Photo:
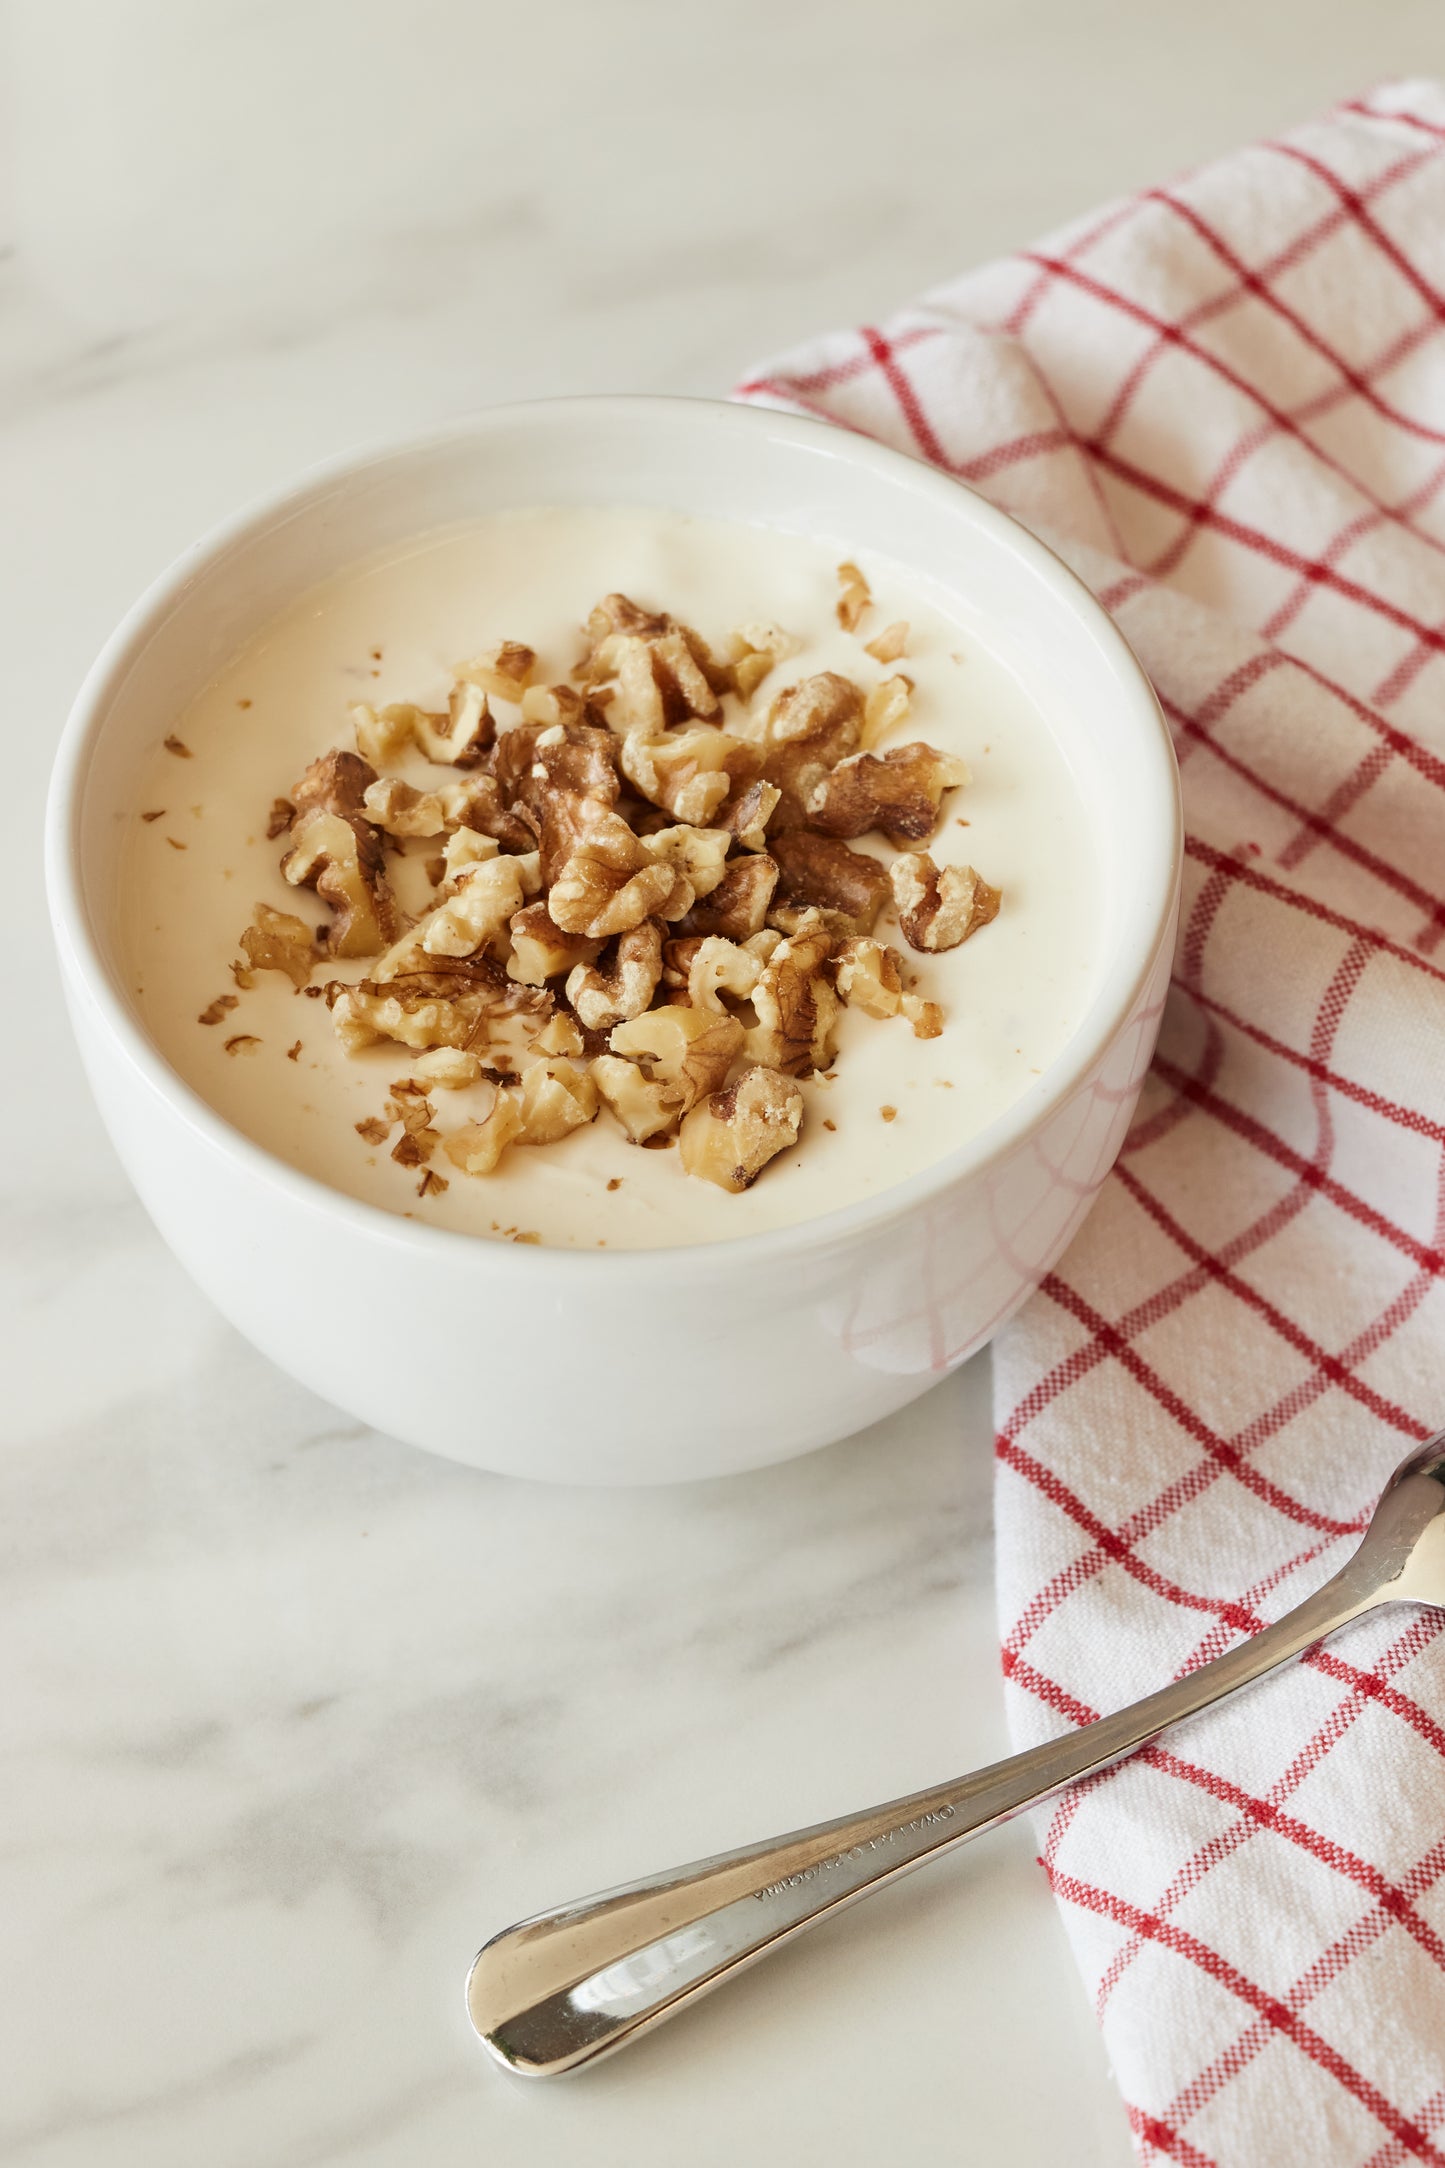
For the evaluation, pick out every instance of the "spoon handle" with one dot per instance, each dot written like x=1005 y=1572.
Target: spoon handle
x=568 y=1986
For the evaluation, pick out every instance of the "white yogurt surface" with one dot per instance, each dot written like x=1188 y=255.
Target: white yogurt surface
x=393 y=629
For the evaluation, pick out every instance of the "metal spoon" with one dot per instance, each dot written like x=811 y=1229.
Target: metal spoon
x=566 y=1987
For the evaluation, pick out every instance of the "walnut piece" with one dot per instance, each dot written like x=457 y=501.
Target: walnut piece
x=609 y=883
x=891 y=643
x=885 y=708
x=687 y=1051
x=645 y=1108
x=477 y=914
x=556 y=1097
x=867 y=976
x=898 y=793
x=336 y=782
x=940 y=907
x=820 y=873
x=542 y=951
x=855 y=597
x=277 y=941
x=809 y=728
x=754 y=651
x=730 y=1137
x=687 y=772
x=456 y=739
x=341 y=859
x=797 y=1010
x=738 y=906
x=504 y=671
x=448 y=1068
x=478 y=1146
x=746 y=811
x=623 y=990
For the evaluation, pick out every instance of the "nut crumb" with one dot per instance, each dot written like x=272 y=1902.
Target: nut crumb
x=527 y=1236
x=373 y=1130
x=243 y=1041
x=889 y=1114
x=293 y=1053
x=243 y=703
x=175 y=843
x=431 y=1183
x=856 y=596
x=828 y=1123
x=221 y=1006
x=890 y=644
x=158 y=815
x=178 y=746
x=615 y=1182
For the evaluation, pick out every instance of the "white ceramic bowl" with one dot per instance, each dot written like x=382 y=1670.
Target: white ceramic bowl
x=637 y=1366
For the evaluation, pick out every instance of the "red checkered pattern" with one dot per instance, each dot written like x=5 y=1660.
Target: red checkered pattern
x=1225 y=402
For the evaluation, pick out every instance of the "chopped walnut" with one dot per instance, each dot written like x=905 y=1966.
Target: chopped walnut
x=559 y=1035
x=746 y=811
x=868 y=977
x=855 y=598
x=537 y=758
x=658 y=670
x=938 y=907
x=609 y=884
x=624 y=989
x=456 y=739
x=381 y=736
x=885 y=708
x=797 y=1009
x=478 y=912
x=683 y=869
x=716 y=967
x=477 y=1146
x=698 y=857
x=753 y=651
x=820 y=873
x=687 y=1051
x=557 y=1097
x=278 y=941
x=730 y=1137
x=891 y=643
x=645 y=1108
x=809 y=728
x=448 y=1068
x=221 y=1007
x=336 y=782
x=459 y=738
x=738 y=906
x=898 y=793
x=687 y=772
x=341 y=860
x=542 y=951
x=504 y=671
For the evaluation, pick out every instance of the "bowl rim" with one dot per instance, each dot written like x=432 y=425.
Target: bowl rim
x=1124 y=981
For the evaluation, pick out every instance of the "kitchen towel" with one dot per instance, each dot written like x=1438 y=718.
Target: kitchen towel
x=1224 y=401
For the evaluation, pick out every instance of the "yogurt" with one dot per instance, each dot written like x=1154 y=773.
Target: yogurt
x=198 y=860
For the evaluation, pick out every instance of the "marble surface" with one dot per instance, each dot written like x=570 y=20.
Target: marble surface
x=294 y=1717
